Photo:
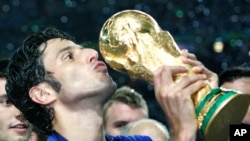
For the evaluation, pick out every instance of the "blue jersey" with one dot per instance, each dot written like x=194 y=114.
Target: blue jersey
x=57 y=137
x=128 y=138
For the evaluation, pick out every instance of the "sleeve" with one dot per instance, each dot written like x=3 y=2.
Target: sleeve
x=132 y=138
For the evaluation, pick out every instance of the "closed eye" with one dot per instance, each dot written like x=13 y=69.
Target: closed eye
x=120 y=124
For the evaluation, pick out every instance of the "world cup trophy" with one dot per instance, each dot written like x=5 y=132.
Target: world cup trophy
x=132 y=42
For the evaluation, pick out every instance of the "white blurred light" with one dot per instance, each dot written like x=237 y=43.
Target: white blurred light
x=218 y=46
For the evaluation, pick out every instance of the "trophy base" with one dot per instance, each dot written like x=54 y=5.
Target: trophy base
x=229 y=108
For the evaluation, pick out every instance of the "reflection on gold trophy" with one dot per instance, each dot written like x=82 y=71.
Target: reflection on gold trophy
x=132 y=42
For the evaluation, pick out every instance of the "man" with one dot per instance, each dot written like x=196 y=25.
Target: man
x=237 y=78
x=125 y=106
x=13 y=126
x=61 y=88
x=150 y=127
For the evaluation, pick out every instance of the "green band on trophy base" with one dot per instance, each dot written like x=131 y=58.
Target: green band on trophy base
x=215 y=106
x=206 y=99
x=217 y=111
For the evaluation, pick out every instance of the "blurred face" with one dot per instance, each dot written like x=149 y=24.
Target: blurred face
x=13 y=127
x=119 y=115
x=78 y=70
x=242 y=85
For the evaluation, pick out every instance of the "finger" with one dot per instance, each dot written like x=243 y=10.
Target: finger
x=203 y=70
x=194 y=87
x=169 y=72
x=198 y=69
x=191 y=62
x=186 y=82
x=185 y=53
x=164 y=77
x=157 y=80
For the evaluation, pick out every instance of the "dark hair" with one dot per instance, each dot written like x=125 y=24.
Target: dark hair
x=26 y=70
x=3 y=67
x=234 y=73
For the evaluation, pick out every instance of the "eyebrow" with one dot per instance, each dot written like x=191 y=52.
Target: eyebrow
x=64 y=49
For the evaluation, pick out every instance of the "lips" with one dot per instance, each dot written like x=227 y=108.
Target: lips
x=20 y=126
x=100 y=66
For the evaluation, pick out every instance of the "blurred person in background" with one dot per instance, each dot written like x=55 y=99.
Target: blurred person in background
x=237 y=78
x=13 y=126
x=125 y=106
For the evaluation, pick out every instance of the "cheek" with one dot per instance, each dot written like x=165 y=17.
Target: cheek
x=72 y=77
x=79 y=75
x=3 y=122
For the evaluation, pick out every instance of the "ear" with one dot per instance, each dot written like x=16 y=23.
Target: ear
x=42 y=93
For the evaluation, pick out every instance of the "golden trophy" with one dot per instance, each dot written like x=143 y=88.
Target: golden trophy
x=131 y=41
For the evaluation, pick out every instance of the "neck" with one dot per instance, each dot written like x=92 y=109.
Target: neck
x=79 y=124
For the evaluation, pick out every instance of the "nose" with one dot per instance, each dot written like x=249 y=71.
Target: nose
x=17 y=113
x=92 y=55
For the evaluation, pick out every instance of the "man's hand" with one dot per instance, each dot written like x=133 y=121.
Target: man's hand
x=199 y=68
x=175 y=98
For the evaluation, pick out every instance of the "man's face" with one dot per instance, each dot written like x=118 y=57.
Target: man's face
x=13 y=127
x=241 y=85
x=77 y=69
x=119 y=115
